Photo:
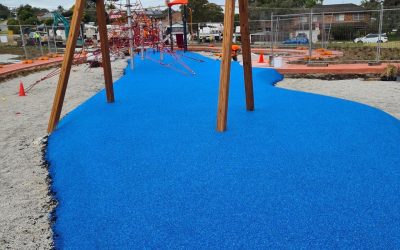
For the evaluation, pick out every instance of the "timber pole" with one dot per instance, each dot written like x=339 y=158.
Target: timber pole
x=105 y=51
x=225 y=65
x=66 y=65
x=246 y=53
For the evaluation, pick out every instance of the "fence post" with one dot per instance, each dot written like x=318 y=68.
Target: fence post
x=23 y=42
x=48 y=40
x=130 y=33
x=40 y=40
x=310 y=36
x=272 y=39
x=170 y=26
x=55 y=40
x=323 y=31
x=378 y=52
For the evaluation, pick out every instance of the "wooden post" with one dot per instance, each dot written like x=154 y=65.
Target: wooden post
x=246 y=53
x=105 y=51
x=66 y=65
x=225 y=65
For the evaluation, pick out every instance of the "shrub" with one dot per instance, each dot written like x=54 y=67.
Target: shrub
x=390 y=73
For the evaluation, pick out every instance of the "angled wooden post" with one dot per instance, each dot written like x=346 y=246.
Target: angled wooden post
x=246 y=53
x=105 y=51
x=66 y=65
x=225 y=65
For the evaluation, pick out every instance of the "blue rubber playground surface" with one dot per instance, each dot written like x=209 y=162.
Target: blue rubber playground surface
x=150 y=171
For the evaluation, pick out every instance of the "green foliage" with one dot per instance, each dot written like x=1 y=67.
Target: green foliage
x=285 y=3
x=370 y=4
x=89 y=14
x=391 y=18
x=14 y=29
x=4 y=12
x=203 y=11
x=344 y=32
x=27 y=14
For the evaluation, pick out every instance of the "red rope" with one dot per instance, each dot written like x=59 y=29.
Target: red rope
x=53 y=73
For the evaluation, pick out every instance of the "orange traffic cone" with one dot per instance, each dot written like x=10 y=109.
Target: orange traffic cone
x=261 y=58
x=21 y=89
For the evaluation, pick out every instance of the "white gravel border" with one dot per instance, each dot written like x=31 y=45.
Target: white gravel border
x=25 y=201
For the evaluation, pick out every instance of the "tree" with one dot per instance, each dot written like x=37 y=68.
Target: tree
x=203 y=11
x=370 y=4
x=286 y=3
x=89 y=14
x=4 y=12
x=391 y=19
x=60 y=9
x=27 y=14
x=13 y=25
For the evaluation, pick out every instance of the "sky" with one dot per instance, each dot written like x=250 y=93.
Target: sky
x=51 y=4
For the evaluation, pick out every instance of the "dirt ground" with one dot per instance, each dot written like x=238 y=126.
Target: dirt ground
x=25 y=200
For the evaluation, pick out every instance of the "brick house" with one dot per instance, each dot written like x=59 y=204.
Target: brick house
x=351 y=17
x=351 y=20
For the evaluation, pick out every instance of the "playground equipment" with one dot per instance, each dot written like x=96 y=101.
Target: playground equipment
x=147 y=32
x=184 y=20
x=226 y=60
x=69 y=54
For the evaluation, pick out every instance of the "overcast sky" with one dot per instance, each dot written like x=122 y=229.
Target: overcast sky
x=51 y=4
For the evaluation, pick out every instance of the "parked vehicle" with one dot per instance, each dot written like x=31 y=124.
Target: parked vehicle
x=210 y=32
x=300 y=39
x=372 y=38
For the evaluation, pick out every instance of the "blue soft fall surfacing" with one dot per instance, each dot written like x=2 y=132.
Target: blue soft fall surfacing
x=150 y=171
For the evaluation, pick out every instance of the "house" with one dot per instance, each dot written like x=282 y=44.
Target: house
x=342 y=13
x=176 y=18
x=352 y=17
x=325 y=18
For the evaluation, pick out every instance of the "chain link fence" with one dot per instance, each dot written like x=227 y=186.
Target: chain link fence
x=20 y=42
x=325 y=34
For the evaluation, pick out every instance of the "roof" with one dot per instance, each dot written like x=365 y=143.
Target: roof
x=337 y=8
x=154 y=13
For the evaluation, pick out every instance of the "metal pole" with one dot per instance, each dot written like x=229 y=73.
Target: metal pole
x=184 y=20
x=48 y=40
x=40 y=40
x=323 y=31
x=277 y=31
x=130 y=33
x=23 y=41
x=378 y=52
x=310 y=38
x=160 y=34
x=142 y=41
x=272 y=39
x=54 y=39
x=170 y=28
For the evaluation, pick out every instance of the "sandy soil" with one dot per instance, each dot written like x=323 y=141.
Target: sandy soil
x=8 y=58
x=380 y=94
x=25 y=201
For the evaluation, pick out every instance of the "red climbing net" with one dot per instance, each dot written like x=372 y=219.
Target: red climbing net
x=147 y=33
x=145 y=28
